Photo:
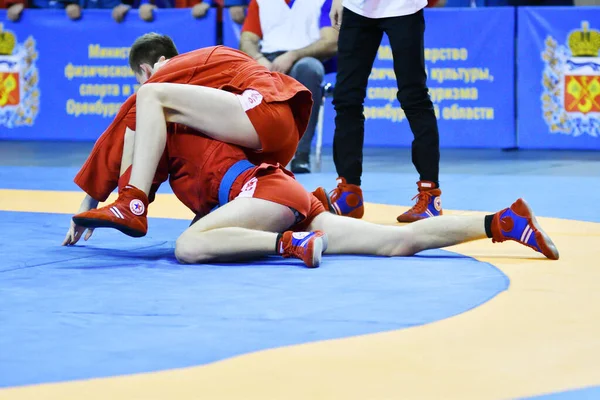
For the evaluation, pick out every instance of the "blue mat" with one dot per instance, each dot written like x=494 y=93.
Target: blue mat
x=592 y=393
x=117 y=305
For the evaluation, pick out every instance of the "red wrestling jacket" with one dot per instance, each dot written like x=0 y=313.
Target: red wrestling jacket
x=186 y=157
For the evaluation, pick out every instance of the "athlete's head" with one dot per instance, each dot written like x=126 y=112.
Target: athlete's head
x=146 y=51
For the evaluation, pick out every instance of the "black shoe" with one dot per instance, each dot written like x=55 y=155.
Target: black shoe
x=300 y=166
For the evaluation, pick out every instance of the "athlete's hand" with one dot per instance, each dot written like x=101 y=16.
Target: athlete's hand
x=335 y=15
x=75 y=231
x=147 y=12
x=73 y=11
x=14 y=12
x=119 y=12
x=284 y=62
x=200 y=10
x=74 y=234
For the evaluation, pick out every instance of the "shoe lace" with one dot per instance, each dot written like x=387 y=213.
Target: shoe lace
x=423 y=200
x=293 y=251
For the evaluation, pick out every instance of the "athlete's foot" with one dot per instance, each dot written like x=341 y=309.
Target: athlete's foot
x=127 y=214
x=324 y=198
x=347 y=199
x=307 y=246
x=429 y=203
x=518 y=223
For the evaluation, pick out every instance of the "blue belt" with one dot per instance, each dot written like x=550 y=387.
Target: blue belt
x=230 y=176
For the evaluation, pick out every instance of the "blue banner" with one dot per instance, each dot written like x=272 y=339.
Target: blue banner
x=559 y=77
x=231 y=31
x=65 y=80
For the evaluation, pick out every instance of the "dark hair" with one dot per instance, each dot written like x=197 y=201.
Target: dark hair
x=147 y=49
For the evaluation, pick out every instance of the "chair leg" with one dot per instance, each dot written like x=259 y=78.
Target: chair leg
x=319 y=143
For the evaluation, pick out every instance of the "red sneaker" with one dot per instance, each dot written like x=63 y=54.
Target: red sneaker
x=518 y=223
x=324 y=198
x=429 y=203
x=347 y=199
x=307 y=246
x=127 y=214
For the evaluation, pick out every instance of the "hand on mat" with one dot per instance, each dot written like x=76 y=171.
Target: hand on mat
x=75 y=231
x=74 y=234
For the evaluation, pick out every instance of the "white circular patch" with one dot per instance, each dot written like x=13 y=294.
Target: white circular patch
x=437 y=203
x=137 y=207
x=300 y=235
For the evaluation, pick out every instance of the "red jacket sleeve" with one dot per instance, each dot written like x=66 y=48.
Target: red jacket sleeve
x=252 y=21
x=99 y=175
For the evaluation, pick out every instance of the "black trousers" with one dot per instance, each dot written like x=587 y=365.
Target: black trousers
x=358 y=43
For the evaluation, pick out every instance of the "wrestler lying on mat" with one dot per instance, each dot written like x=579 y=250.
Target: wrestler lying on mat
x=262 y=210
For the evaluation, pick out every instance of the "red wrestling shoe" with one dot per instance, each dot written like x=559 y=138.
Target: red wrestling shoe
x=324 y=198
x=429 y=203
x=127 y=214
x=347 y=199
x=307 y=246
x=517 y=223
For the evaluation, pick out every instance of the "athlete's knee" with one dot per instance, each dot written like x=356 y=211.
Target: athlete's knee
x=190 y=251
x=404 y=243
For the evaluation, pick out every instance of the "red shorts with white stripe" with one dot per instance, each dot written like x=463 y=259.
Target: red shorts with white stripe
x=275 y=125
x=273 y=183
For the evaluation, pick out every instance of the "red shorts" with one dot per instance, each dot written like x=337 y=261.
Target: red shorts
x=272 y=183
x=275 y=125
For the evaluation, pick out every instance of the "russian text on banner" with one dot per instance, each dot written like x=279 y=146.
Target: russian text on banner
x=470 y=78
x=65 y=80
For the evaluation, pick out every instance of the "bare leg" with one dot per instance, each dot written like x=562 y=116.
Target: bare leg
x=353 y=236
x=127 y=157
x=214 y=112
x=242 y=229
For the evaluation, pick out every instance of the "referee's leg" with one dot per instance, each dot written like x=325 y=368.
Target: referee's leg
x=358 y=42
x=406 y=36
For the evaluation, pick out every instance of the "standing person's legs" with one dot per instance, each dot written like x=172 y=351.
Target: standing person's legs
x=358 y=43
x=406 y=35
x=309 y=72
